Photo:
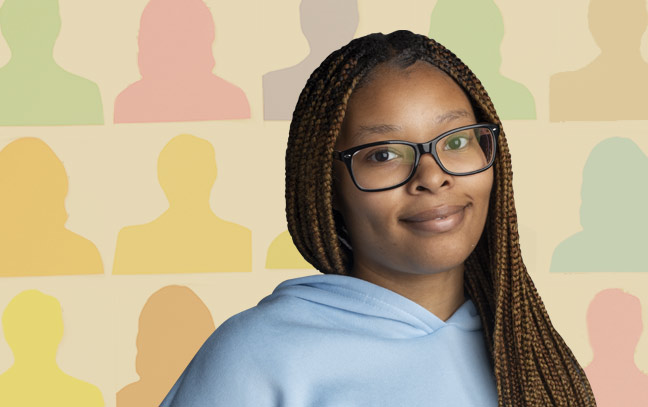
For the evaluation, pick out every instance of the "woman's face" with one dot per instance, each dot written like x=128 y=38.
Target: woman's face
x=401 y=230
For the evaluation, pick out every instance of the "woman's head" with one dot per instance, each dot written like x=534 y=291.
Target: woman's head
x=317 y=128
x=434 y=221
x=319 y=201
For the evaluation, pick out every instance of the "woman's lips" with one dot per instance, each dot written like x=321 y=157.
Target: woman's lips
x=438 y=220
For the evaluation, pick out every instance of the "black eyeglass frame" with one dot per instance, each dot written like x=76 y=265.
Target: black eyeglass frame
x=346 y=156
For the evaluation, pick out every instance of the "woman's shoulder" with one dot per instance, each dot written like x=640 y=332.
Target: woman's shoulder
x=296 y=311
x=269 y=322
x=237 y=356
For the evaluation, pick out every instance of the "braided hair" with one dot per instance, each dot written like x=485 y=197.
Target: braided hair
x=532 y=364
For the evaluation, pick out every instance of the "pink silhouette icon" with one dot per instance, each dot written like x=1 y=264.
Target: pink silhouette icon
x=614 y=322
x=176 y=62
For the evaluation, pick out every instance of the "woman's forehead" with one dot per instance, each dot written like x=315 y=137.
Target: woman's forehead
x=420 y=96
x=392 y=67
x=387 y=77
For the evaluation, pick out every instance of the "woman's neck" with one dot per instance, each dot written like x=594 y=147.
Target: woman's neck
x=440 y=293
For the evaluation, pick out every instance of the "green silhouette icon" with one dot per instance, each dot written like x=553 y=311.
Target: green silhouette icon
x=35 y=89
x=473 y=30
x=613 y=214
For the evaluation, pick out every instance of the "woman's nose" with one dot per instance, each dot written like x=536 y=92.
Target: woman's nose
x=429 y=176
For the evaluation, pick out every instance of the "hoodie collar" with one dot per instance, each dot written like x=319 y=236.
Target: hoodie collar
x=355 y=295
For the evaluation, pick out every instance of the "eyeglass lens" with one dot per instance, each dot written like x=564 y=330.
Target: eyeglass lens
x=386 y=165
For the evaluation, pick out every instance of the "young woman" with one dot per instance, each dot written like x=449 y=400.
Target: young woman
x=399 y=190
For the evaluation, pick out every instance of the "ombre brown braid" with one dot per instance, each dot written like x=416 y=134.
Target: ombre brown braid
x=532 y=364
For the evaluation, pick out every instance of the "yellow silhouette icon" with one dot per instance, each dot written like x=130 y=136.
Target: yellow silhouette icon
x=173 y=325
x=33 y=237
x=188 y=237
x=282 y=254
x=33 y=327
x=614 y=85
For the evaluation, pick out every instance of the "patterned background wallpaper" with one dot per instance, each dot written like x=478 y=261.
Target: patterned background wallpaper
x=141 y=173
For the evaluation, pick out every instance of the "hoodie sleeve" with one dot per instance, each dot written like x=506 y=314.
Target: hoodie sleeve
x=224 y=372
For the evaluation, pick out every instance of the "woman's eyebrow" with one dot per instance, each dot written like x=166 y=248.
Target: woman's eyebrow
x=364 y=131
x=452 y=115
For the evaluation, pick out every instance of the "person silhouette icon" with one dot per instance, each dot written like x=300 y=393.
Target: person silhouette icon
x=612 y=213
x=176 y=62
x=614 y=325
x=33 y=238
x=35 y=89
x=33 y=327
x=172 y=325
x=614 y=85
x=188 y=237
x=327 y=26
x=459 y=24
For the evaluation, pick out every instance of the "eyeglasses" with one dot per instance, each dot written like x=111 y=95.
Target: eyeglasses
x=389 y=164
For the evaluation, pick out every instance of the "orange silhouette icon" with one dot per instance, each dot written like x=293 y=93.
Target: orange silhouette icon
x=33 y=327
x=173 y=325
x=188 y=237
x=176 y=62
x=614 y=322
x=615 y=84
x=33 y=237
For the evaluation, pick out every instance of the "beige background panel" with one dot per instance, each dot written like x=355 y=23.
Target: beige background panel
x=279 y=38
x=386 y=16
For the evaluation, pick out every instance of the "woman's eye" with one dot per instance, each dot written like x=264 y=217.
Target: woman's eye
x=457 y=142
x=382 y=155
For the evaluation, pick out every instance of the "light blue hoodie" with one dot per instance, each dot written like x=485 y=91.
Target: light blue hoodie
x=331 y=340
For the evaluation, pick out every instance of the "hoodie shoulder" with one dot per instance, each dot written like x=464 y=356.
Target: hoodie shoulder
x=235 y=358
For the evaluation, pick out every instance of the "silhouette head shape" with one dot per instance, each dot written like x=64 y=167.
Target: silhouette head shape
x=460 y=26
x=618 y=25
x=616 y=168
x=172 y=325
x=614 y=322
x=175 y=39
x=34 y=184
x=33 y=326
x=187 y=169
x=328 y=24
x=30 y=26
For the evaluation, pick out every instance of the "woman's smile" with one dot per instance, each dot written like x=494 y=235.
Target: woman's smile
x=440 y=219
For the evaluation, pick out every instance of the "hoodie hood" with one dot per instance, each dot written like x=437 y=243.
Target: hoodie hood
x=371 y=307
